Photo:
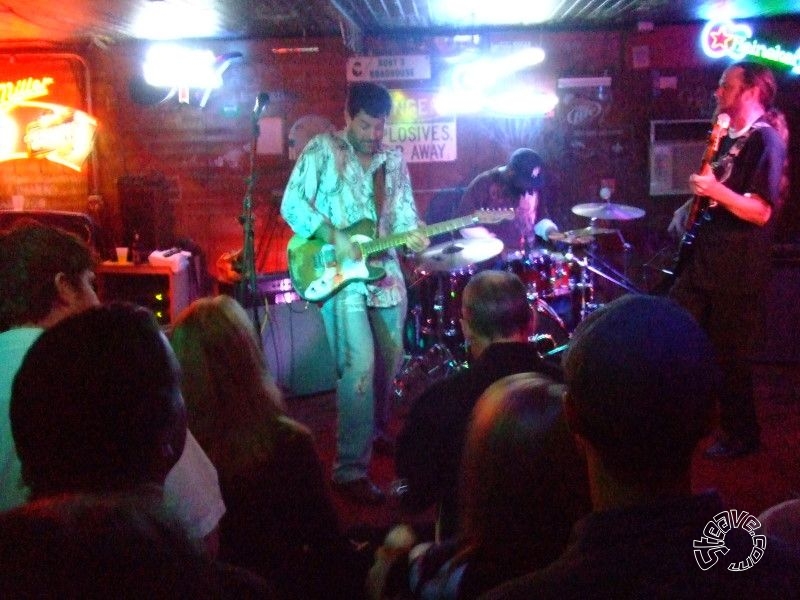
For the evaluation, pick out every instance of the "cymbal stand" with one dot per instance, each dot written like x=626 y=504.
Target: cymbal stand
x=615 y=277
x=582 y=290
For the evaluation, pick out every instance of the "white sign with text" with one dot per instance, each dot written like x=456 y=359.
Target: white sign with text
x=389 y=68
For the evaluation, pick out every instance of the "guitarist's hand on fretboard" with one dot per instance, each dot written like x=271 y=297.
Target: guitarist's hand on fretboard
x=417 y=241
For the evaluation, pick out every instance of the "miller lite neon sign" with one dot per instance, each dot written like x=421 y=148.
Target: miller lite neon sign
x=735 y=40
x=33 y=129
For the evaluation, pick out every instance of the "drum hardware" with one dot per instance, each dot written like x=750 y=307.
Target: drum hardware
x=555 y=352
x=602 y=269
x=608 y=211
x=544 y=343
x=419 y=373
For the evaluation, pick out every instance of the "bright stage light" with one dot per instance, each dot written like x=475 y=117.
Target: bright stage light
x=171 y=20
x=173 y=66
x=522 y=101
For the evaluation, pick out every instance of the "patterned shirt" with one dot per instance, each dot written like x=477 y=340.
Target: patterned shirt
x=329 y=185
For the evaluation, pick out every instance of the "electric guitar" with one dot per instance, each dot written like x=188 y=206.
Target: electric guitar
x=316 y=275
x=699 y=209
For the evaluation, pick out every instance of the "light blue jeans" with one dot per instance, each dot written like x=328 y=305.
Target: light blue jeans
x=367 y=346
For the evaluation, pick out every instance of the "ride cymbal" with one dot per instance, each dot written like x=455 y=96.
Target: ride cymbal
x=607 y=211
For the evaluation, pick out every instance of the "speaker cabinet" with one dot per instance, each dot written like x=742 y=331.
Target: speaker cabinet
x=147 y=207
x=676 y=148
x=297 y=349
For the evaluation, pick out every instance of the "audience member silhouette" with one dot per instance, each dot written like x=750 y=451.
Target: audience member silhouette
x=46 y=275
x=280 y=520
x=109 y=546
x=96 y=405
x=523 y=486
x=497 y=321
x=782 y=522
x=640 y=376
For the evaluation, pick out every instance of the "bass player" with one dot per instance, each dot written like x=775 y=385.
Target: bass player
x=725 y=275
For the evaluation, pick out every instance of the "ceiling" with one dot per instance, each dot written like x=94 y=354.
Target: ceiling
x=107 y=21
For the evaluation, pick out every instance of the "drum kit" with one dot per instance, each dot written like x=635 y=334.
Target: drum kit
x=433 y=332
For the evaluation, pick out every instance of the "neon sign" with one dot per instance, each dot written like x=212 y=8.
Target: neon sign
x=735 y=40
x=24 y=89
x=53 y=132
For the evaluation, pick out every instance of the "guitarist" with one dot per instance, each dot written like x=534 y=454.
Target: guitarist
x=724 y=277
x=339 y=179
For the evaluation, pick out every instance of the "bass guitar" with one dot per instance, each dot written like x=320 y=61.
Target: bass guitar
x=316 y=275
x=699 y=209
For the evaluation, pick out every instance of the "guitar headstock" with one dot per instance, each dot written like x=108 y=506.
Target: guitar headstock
x=492 y=215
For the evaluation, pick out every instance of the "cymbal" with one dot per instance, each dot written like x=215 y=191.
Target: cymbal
x=608 y=211
x=458 y=254
x=579 y=237
x=568 y=237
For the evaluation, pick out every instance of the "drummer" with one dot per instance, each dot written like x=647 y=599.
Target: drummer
x=515 y=185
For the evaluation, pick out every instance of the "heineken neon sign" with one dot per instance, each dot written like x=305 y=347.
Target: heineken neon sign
x=735 y=40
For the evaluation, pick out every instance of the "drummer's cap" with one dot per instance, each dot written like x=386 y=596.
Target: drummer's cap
x=526 y=166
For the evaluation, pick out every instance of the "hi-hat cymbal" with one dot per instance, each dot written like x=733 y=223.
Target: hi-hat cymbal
x=569 y=237
x=608 y=211
x=459 y=254
x=579 y=237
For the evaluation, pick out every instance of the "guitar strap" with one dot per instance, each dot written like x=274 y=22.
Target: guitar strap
x=737 y=146
x=379 y=188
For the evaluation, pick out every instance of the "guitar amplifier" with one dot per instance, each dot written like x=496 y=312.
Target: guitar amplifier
x=296 y=348
x=276 y=288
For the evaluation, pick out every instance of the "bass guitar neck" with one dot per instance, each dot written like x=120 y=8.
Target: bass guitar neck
x=699 y=208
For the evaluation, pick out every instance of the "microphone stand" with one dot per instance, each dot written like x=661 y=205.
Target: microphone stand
x=247 y=286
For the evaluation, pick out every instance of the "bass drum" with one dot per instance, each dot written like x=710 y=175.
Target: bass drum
x=434 y=310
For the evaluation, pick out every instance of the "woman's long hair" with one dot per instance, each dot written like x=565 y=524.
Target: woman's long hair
x=232 y=400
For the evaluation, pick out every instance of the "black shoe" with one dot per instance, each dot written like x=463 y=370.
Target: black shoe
x=383 y=445
x=732 y=448
x=360 y=491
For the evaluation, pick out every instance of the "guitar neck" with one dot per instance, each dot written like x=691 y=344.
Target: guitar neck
x=699 y=204
x=398 y=239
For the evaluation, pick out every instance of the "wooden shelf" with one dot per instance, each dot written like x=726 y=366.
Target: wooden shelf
x=155 y=287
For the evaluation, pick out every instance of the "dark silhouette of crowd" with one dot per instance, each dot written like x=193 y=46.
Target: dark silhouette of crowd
x=552 y=483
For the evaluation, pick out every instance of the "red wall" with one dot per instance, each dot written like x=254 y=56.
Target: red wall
x=204 y=152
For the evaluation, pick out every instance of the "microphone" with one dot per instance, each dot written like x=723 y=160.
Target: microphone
x=262 y=101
